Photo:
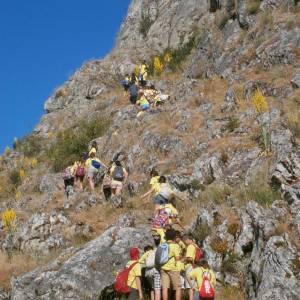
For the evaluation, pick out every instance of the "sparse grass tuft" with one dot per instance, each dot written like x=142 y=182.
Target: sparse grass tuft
x=218 y=245
x=30 y=146
x=232 y=124
x=228 y=264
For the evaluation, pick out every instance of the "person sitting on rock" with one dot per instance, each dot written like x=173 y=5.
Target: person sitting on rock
x=199 y=274
x=119 y=177
x=93 y=166
x=143 y=103
x=134 y=276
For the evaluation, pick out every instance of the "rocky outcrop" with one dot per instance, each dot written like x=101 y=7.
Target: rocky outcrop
x=85 y=272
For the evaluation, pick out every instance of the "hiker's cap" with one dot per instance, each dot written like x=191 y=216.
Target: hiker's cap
x=134 y=253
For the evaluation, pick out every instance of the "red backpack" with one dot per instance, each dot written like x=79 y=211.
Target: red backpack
x=121 y=285
x=206 y=290
x=198 y=254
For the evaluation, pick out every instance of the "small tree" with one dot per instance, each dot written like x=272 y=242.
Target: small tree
x=261 y=107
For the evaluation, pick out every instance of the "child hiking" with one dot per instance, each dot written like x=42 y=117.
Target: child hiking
x=93 y=166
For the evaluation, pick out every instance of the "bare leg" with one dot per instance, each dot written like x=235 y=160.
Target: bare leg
x=178 y=294
x=191 y=294
x=157 y=294
x=92 y=184
x=165 y=293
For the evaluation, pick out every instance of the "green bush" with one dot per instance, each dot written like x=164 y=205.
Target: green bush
x=253 y=7
x=196 y=185
x=201 y=231
x=15 y=178
x=30 y=146
x=71 y=143
x=145 y=24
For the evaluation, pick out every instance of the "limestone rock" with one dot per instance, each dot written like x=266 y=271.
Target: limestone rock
x=88 y=271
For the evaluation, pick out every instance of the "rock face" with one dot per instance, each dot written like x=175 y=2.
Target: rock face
x=83 y=273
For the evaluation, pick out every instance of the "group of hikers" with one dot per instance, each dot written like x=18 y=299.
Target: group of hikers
x=113 y=176
x=141 y=93
x=174 y=265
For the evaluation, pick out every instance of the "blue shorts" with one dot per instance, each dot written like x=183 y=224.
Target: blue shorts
x=145 y=106
x=159 y=199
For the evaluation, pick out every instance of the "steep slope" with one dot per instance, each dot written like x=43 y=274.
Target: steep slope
x=242 y=189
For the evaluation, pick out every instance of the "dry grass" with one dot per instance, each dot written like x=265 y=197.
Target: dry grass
x=253 y=6
x=19 y=264
x=229 y=293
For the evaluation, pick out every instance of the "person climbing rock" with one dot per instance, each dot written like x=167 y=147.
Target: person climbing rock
x=170 y=272
x=134 y=276
x=133 y=90
x=143 y=73
x=154 y=186
x=205 y=281
x=69 y=177
x=119 y=177
x=126 y=83
x=79 y=170
x=93 y=166
x=94 y=148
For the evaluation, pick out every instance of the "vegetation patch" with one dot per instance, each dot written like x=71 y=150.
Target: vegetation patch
x=229 y=263
x=253 y=7
x=71 y=143
x=30 y=145
x=145 y=24
x=201 y=231
x=232 y=124
x=219 y=246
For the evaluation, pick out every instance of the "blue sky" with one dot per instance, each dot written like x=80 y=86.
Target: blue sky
x=42 y=43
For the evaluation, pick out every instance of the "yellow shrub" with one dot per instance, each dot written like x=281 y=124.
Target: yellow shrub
x=34 y=163
x=22 y=174
x=18 y=195
x=158 y=66
x=9 y=220
x=259 y=102
x=136 y=71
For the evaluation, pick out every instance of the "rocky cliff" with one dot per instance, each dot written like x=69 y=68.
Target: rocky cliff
x=243 y=192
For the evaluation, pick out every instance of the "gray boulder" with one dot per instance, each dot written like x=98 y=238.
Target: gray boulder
x=84 y=273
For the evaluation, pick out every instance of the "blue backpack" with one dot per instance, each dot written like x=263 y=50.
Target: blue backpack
x=96 y=164
x=161 y=255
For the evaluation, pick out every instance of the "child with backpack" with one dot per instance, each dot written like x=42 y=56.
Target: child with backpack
x=79 y=167
x=119 y=177
x=167 y=257
x=128 y=281
x=93 y=166
x=205 y=280
x=143 y=103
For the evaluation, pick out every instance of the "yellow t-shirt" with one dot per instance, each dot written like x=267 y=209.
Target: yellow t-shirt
x=180 y=264
x=144 y=257
x=172 y=265
x=155 y=184
x=190 y=253
x=134 y=272
x=197 y=275
x=170 y=209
